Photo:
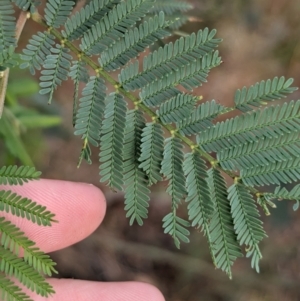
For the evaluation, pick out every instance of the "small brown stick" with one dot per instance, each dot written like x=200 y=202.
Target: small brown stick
x=4 y=74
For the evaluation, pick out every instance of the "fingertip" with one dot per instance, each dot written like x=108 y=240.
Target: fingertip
x=79 y=209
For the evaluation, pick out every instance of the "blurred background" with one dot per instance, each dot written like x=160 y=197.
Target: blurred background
x=261 y=39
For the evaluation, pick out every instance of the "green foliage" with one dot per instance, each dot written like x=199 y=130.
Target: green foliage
x=221 y=234
x=140 y=146
x=112 y=141
x=36 y=51
x=7 y=25
x=262 y=92
x=27 y=5
x=137 y=192
x=21 y=123
x=32 y=268
x=152 y=145
x=14 y=175
x=247 y=225
x=56 y=70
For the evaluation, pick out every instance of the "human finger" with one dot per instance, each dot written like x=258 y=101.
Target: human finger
x=79 y=209
x=80 y=290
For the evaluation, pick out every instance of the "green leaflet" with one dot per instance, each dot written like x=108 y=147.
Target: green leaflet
x=24 y=207
x=189 y=77
x=56 y=70
x=200 y=119
x=89 y=15
x=112 y=141
x=263 y=92
x=177 y=108
x=13 y=239
x=57 y=12
x=200 y=207
x=114 y=25
x=282 y=193
x=8 y=59
x=36 y=51
x=136 y=191
x=78 y=73
x=273 y=173
x=152 y=152
x=269 y=122
x=247 y=224
x=171 y=57
x=222 y=238
x=90 y=112
x=7 y=25
x=262 y=152
x=176 y=227
x=134 y=42
x=14 y=267
x=10 y=291
x=27 y=5
x=172 y=169
x=171 y=7
x=13 y=175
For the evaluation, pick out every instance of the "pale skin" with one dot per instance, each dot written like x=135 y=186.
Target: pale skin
x=79 y=208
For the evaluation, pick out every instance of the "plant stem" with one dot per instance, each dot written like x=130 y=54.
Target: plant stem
x=5 y=74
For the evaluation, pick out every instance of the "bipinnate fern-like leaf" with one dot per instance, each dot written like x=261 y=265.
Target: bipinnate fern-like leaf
x=114 y=25
x=247 y=223
x=36 y=51
x=152 y=146
x=224 y=246
x=112 y=141
x=86 y=17
x=134 y=42
x=263 y=92
x=57 y=12
x=135 y=179
x=171 y=57
x=268 y=122
x=56 y=70
x=14 y=175
x=258 y=147
x=7 y=25
x=24 y=207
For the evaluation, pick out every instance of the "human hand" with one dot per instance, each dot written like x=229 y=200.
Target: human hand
x=80 y=209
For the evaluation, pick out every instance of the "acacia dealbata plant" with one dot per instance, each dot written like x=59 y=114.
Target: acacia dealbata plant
x=141 y=128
